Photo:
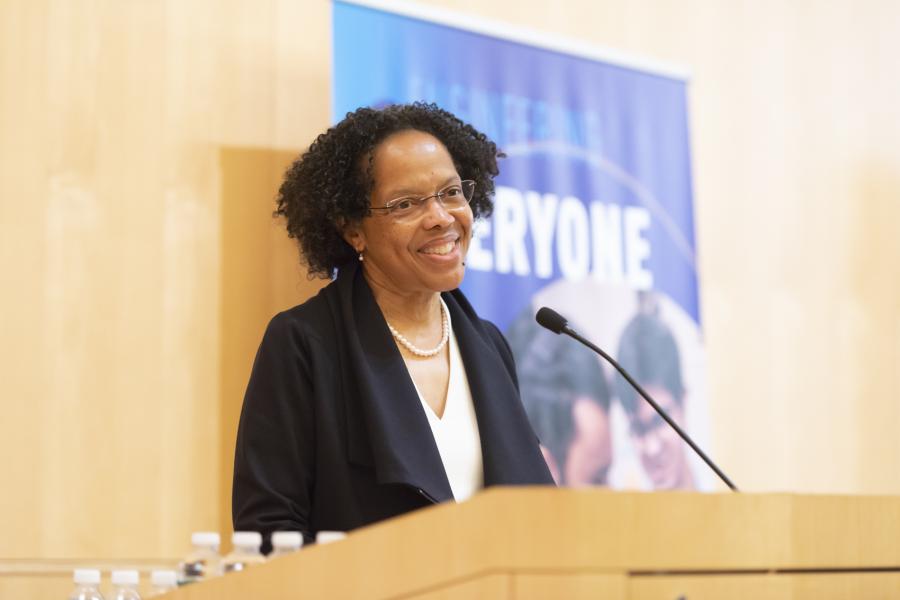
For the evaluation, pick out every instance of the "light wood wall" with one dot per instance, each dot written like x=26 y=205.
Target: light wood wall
x=140 y=148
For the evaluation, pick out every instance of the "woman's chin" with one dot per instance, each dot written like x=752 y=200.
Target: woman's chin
x=449 y=281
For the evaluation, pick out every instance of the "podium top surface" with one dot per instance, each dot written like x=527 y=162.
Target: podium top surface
x=591 y=530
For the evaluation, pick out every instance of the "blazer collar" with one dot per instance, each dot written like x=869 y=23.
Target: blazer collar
x=387 y=427
x=510 y=449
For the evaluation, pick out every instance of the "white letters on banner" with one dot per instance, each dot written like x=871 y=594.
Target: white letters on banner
x=604 y=241
x=542 y=218
x=572 y=239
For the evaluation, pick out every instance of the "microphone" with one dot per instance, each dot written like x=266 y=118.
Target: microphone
x=555 y=322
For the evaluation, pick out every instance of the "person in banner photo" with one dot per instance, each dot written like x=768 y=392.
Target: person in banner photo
x=386 y=392
x=648 y=351
x=567 y=399
x=594 y=428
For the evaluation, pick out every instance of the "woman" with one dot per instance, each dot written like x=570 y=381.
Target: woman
x=385 y=392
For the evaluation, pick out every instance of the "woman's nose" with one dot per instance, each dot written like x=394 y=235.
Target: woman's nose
x=436 y=214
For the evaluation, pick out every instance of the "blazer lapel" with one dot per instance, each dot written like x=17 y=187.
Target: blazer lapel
x=509 y=447
x=388 y=428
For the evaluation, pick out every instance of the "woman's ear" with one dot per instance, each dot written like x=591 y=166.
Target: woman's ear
x=353 y=235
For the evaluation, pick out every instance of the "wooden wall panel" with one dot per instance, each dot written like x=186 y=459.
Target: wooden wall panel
x=114 y=118
x=261 y=276
x=572 y=586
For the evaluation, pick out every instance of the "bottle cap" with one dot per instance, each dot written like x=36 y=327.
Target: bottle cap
x=287 y=540
x=87 y=576
x=125 y=577
x=246 y=539
x=326 y=537
x=163 y=578
x=205 y=538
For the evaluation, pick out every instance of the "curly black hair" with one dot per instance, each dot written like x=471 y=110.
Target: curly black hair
x=327 y=187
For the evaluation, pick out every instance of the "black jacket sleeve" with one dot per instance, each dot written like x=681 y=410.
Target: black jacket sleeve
x=274 y=462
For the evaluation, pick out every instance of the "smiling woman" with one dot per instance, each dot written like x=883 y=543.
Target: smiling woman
x=386 y=392
x=415 y=246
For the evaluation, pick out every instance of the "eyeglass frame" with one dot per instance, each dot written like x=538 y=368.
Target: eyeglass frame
x=391 y=206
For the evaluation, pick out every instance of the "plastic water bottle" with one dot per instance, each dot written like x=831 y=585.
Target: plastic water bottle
x=86 y=582
x=203 y=561
x=285 y=542
x=125 y=585
x=246 y=551
x=163 y=582
x=328 y=537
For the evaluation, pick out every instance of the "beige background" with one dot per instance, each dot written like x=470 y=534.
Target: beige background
x=141 y=143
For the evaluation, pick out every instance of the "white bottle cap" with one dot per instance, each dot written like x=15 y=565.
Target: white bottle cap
x=247 y=539
x=87 y=576
x=125 y=577
x=326 y=537
x=205 y=538
x=163 y=578
x=287 y=540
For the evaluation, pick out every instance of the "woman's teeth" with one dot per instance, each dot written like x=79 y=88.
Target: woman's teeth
x=443 y=249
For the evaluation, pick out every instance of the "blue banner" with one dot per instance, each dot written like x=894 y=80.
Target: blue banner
x=593 y=215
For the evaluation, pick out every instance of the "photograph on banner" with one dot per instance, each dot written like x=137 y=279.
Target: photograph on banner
x=593 y=216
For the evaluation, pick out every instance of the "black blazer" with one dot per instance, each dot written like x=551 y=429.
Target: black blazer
x=332 y=434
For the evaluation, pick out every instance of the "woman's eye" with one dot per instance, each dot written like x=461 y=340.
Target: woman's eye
x=454 y=191
x=404 y=204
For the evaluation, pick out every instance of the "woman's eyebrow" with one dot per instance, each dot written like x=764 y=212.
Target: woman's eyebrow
x=403 y=192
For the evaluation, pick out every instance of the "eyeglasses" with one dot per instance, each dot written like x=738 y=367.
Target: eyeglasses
x=453 y=197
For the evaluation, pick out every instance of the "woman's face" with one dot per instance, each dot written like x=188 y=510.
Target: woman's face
x=422 y=252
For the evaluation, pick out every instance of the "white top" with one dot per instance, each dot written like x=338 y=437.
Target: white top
x=327 y=537
x=205 y=538
x=456 y=432
x=163 y=579
x=126 y=577
x=287 y=540
x=87 y=576
x=247 y=539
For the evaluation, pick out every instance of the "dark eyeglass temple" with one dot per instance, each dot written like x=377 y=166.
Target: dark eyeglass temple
x=468 y=187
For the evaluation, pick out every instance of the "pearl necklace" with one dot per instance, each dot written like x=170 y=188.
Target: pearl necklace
x=445 y=336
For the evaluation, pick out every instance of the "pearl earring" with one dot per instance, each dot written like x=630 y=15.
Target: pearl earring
x=360 y=257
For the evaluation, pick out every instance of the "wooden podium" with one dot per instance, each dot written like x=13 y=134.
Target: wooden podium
x=530 y=543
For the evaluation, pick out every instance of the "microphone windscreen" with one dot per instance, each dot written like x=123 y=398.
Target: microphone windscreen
x=552 y=320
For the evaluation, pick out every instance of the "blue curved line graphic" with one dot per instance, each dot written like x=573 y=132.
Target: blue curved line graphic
x=641 y=192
